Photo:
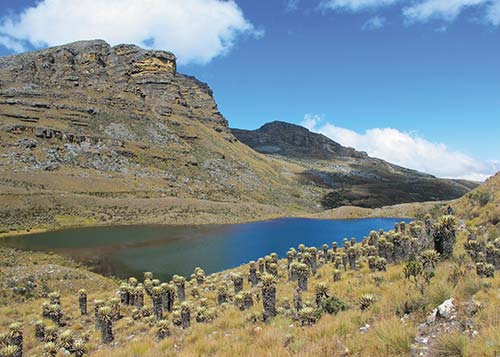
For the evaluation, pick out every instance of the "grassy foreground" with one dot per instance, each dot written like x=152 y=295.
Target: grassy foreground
x=368 y=313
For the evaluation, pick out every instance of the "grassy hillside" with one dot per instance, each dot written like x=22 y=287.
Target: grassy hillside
x=405 y=210
x=93 y=134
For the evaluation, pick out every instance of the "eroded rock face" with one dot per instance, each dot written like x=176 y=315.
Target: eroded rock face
x=127 y=78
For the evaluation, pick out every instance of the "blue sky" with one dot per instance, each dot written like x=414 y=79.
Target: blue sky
x=414 y=82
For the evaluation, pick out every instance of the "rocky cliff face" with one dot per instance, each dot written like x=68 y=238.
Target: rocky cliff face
x=76 y=82
x=92 y=95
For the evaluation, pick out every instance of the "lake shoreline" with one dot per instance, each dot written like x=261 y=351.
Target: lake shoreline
x=176 y=224
x=403 y=211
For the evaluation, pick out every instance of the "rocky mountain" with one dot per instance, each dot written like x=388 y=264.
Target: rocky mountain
x=76 y=83
x=92 y=134
x=353 y=177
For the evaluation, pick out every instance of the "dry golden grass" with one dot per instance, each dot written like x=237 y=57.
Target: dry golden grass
x=404 y=210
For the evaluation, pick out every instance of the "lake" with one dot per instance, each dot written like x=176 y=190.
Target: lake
x=124 y=251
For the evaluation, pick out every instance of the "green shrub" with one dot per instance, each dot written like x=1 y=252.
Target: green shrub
x=482 y=197
x=333 y=305
x=492 y=233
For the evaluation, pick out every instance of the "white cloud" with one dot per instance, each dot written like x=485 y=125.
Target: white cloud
x=493 y=14
x=195 y=30
x=446 y=10
x=422 y=10
x=375 y=23
x=354 y=5
x=407 y=150
x=11 y=44
x=292 y=5
x=311 y=121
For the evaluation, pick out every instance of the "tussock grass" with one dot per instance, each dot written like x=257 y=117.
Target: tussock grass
x=453 y=344
x=391 y=336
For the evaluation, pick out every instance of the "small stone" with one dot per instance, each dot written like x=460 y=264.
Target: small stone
x=422 y=339
x=364 y=329
x=446 y=309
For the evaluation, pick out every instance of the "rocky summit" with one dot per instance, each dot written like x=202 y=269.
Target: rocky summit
x=294 y=141
x=94 y=134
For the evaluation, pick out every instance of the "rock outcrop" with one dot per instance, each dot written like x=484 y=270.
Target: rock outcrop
x=294 y=141
x=75 y=82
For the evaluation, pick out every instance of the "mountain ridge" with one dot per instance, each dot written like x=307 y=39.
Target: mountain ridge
x=333 y=165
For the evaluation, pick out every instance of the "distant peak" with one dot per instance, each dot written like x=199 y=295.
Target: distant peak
x=292 y=140
x=280 y=127
x=282 y=124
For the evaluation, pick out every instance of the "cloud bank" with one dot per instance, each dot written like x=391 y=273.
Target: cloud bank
x=423 y=10
x=374 y=23
x=195 y=30
x=354 y=5
x=446 y=10
x=407 y=150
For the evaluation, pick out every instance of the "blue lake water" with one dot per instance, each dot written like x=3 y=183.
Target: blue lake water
x=125 y=251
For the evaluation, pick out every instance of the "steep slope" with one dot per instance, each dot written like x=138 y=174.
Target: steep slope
x=92 y=133
x=353 y=177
